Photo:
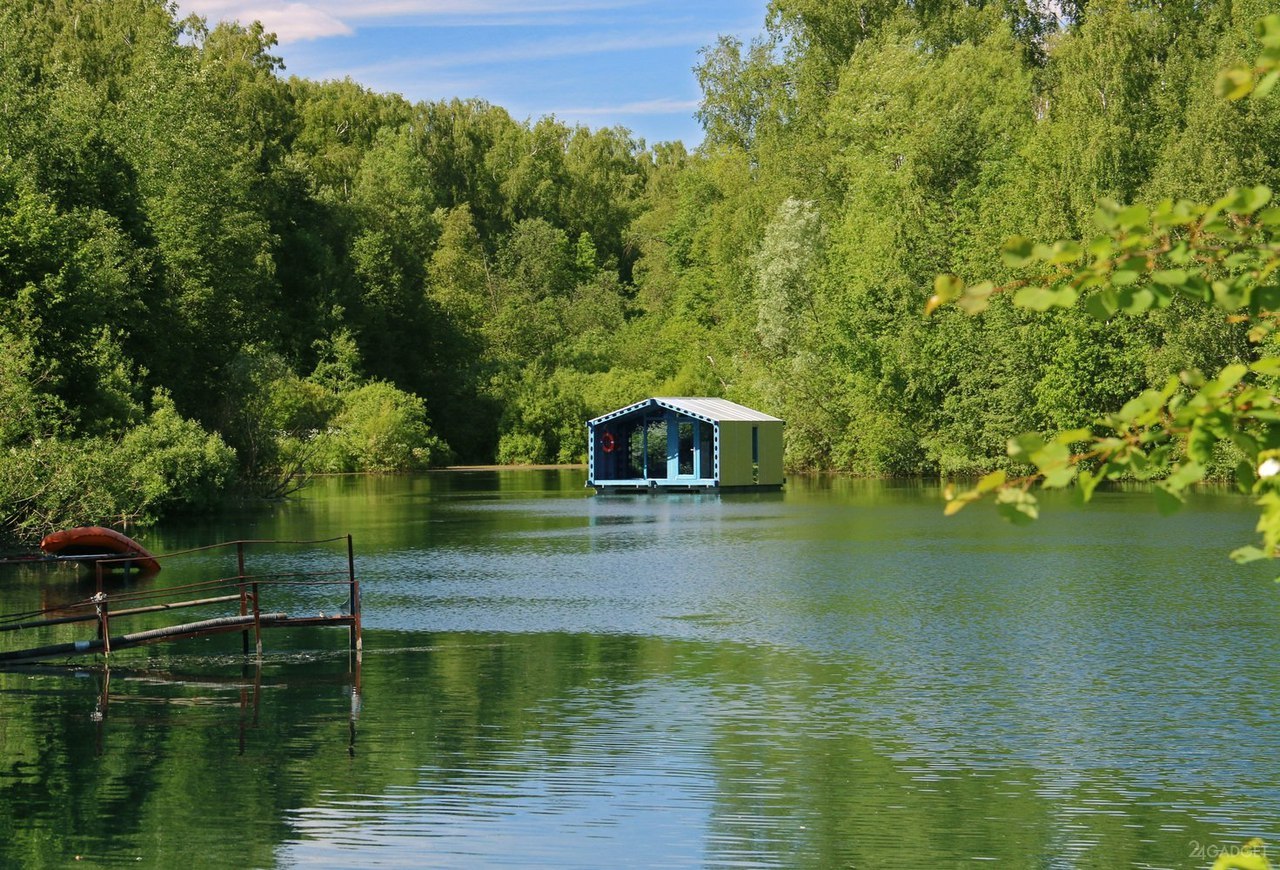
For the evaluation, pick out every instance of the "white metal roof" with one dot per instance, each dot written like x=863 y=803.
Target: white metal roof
x=711 y=410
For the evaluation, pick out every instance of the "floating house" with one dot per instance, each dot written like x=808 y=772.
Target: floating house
x=684 y=445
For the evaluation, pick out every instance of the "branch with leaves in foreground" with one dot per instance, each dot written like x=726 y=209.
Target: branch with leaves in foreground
x=1224 y=254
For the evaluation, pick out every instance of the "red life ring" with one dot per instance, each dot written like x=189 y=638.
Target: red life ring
x=607 y=442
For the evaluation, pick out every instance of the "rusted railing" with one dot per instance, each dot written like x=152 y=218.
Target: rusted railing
x=243 y=589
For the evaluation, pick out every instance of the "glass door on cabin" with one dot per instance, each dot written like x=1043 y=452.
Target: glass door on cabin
x=692 y=451
x=706 y=450
x=685 y=431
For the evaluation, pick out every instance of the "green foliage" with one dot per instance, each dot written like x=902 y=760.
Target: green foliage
x=166 y=464
x=173 y=214
x=53 y=483
x=1251 y=856
x=377 y=428
x=785 y=265
x=27 y=410
x=170 y=463
x=1258 y=79
x=743 y=90
x=305 y=267
x=1223 y=254
x=545 y=418
x=271 y=420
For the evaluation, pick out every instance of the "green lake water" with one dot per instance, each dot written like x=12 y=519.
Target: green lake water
x=833 y=676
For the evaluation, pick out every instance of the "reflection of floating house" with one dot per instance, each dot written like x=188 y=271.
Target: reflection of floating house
x=684 y=444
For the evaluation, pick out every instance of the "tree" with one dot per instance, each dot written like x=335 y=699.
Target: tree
x=1224 y=254
x=379 y=428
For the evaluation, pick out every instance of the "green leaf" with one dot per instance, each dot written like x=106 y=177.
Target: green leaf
x=1200 y=443
x=1017 y=252
x=1268 y=30
x=1141 y=467
x=1123 y=276
x=1088 y=481
x=1105 y=214
x=1102 y=305
x=1017 y=506
x=1022 y=446
x=1167 y=502
x=1141 y=409
x=1065 y=252
x=1073 y=436
x=1181 y=254
x=1268 y=365
x=1059 y=477
x=1266 y=84
x=1170 y=277
x=991 y=481
x=1269 y=521
x=1225 y=381
x=1136 y=301
x=1044 y=298
x=1231 y=295
x=948 y=286
x=1246 y=200
x=976 y=298
x=1247 y=443
x=1163 y=295
x=1134 y=217
x=1246 y=477
x=1234 y=82
x=1197 y=288
x=946 y=289
x=1265 y=298
x=957 y=503
x=1184 y=475
x=1245 y=555
x=1052 y=455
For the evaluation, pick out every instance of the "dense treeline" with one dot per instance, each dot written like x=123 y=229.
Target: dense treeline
x=911 y=144
x=211 y=273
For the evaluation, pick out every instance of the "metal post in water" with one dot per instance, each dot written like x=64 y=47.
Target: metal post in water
x=357 y=703
x=244 y=603
x=97 y=572
x=104 y=622
x=257 y=622
x=354 y=632
x=99 y=715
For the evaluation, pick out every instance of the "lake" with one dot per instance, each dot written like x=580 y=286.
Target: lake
x=832 y=676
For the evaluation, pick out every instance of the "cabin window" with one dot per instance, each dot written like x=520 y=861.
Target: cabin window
x=684 y=449
x=755 y=454
x=706 y=450
x=633 y=454
x=655 y=449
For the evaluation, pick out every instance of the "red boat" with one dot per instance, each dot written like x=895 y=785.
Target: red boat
x=89 y=541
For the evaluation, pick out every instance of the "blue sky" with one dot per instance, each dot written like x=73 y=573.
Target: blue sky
x=594 y=62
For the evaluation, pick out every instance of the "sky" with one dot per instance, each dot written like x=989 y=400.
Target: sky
x=595 y=62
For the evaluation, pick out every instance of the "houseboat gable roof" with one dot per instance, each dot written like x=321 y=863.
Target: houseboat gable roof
x=708 y=409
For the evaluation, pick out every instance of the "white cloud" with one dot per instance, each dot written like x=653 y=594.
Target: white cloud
x=463 y=8
x=290 y=22
x=547 y=49
x=314 y=19
x=663 y=106
x=297 y=21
